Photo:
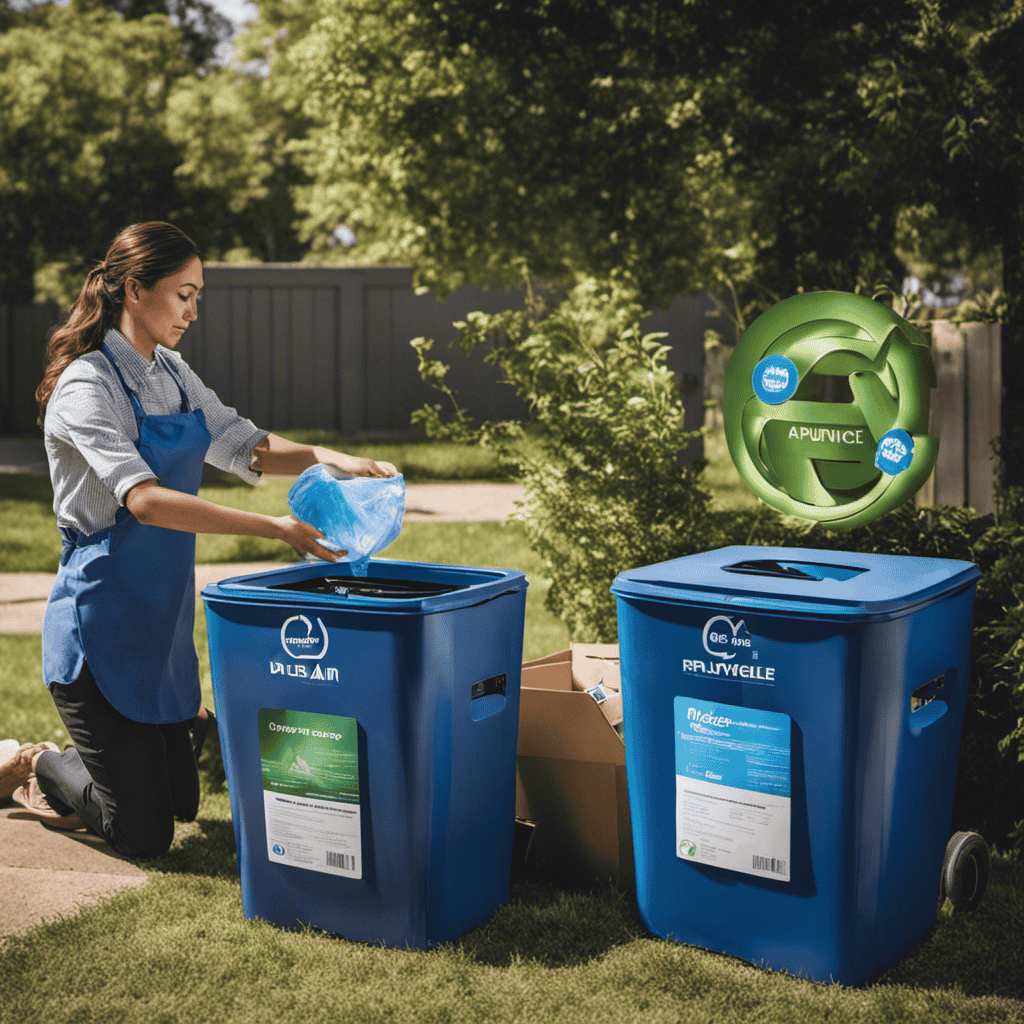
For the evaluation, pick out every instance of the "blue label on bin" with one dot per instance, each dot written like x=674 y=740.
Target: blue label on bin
x=732 y=787
x=775 y=379
x=895 y=452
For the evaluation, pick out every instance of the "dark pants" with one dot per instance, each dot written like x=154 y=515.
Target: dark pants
x=126 y=780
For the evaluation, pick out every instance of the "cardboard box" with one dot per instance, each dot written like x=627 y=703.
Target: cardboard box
x=571 y=778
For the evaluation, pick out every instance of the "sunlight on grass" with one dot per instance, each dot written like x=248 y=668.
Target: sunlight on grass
x=180 y=950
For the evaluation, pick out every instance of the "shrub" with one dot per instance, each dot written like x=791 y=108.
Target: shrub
x=606 y=485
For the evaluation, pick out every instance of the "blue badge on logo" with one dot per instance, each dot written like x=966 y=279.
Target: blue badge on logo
x=895 y=452
x=775 y=379
x=279 y=849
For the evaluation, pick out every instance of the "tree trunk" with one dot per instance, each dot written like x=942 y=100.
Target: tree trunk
x=1012 y=403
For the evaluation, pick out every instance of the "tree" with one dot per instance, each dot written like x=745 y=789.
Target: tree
x=104 y=122
x=202 y=28
x=235 y=169
x=952 y=97
x=684 y=144
x=771 y=147
x=82 y=144
x=568 y=139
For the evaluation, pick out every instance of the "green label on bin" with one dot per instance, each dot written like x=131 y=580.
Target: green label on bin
x=310 y=768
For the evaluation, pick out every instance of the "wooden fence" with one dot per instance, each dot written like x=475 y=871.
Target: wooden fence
x=297 y=346
x=964 y=414
x=23 y=333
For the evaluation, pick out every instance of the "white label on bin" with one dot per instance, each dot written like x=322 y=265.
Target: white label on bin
x=310 y=767
x=733 y=787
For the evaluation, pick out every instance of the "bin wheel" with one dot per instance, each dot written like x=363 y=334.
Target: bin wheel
x=965 y=871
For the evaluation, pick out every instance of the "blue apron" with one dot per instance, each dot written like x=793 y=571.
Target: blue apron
x=124 y=597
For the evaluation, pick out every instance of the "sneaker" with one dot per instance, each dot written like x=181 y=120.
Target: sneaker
x=17 y=764
x=38 y=808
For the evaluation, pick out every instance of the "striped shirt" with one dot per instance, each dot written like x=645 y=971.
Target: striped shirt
x=90 y=430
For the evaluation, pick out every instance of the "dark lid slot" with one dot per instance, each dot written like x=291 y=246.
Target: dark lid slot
x=793 y=570
x=369 y=586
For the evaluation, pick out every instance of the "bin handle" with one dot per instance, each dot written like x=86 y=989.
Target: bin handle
x=926 y=706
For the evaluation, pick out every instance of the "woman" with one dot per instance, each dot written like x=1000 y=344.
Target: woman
x=127 y=428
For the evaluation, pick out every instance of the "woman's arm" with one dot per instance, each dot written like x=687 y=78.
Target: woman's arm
x=154 y=505
x=276 y=455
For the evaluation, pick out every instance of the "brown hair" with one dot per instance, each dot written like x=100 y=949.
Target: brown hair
x=146 y=252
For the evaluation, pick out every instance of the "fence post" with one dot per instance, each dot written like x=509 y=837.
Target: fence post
x=964 y=414
x=984 y=387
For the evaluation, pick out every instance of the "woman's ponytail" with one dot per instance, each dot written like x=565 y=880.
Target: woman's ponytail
x=91 y=314
x=145 y=252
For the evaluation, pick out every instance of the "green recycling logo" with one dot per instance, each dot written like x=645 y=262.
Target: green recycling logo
x=838 y=463
x=687 y=848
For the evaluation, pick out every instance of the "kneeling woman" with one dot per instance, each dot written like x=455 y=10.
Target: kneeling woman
x=127 y=428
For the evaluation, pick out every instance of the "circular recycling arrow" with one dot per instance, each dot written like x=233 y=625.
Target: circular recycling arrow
x=838 y=463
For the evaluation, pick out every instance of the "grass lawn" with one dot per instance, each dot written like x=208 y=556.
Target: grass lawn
x=179 y=949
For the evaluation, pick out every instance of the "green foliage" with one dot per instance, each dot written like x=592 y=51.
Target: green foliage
x=606 y=486
x=234 y=135
x=468 y=138
x=81 y=102
x=985 y=307
x=952 y=101
x=201 y=27
x=105 y=122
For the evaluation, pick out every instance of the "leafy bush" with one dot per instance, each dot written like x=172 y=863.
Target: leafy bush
x=606 y=485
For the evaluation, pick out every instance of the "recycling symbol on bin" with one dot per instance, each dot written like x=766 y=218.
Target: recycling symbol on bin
x=840 y=463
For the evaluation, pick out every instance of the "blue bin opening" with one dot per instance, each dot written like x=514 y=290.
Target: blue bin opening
x=364 y=586
x=794 y=570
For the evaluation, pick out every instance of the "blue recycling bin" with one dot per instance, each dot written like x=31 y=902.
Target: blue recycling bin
x=368 y=727
x=792 y=728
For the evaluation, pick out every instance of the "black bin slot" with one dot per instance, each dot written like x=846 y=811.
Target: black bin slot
x=794 y=570
x=368 y=586
x=768 y=567
x=487 y=687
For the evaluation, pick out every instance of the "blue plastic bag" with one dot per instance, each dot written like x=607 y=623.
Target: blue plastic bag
x=360 y=515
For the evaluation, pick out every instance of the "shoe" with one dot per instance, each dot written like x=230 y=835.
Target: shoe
x=8 y=752
x=38 y=808
x=200 y=726
x=17 y=764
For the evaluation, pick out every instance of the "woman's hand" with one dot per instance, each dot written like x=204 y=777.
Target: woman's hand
x=354 y=465
x=305 y=538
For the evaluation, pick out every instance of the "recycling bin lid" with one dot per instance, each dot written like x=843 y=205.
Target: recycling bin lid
x=803 y=580
x=388 y=586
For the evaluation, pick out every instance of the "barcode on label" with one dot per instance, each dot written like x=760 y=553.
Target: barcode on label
x=341 y=860
x=776 y=867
